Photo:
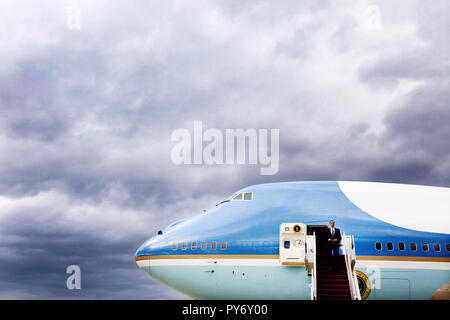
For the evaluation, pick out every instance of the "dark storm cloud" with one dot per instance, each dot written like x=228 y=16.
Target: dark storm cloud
x=107 y=270
x=417 y=134
x=421 y=124
x=388 y=71
x=40 y=239
x=87 y=115
x=416 y=127
x=28 y=106
x=426 y=61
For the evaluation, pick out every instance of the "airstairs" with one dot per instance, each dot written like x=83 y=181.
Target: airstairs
x=300 y=248
x=339 y=283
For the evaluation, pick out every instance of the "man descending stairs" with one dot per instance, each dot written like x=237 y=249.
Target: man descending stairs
x=332 y=271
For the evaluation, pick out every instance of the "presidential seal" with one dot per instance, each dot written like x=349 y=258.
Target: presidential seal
x=363 y=284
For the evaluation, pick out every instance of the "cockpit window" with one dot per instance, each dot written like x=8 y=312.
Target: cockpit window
x=238 y=196
x=228 y=199
x=248 y=196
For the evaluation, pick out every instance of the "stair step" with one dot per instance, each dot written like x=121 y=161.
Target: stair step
x=326 y=273
x=334 y=290
x=332 y=271
x=321 y=279
x=334 y=280
x=329 y=289
x=327 y=296
x=331 y=278
x=334 y=299
x=332 y=284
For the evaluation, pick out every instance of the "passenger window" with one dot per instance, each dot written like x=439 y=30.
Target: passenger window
x=424 y=246
x=401 y=246
x=390 y=246
x=287 y=244
x=447 y=247
x=378 y=246
x=238 y=197
x=184 y=246
x=174 y=246
x=413 y=246
x=437 y=247
x=194 y=246
x=248 y=196
x=213 y=245
x=223 y=245
x=204 y=245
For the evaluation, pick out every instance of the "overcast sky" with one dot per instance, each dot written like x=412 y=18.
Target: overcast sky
x=360 y=90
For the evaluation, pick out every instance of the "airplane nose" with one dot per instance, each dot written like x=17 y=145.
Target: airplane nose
x=142 y=256
x=144 y=264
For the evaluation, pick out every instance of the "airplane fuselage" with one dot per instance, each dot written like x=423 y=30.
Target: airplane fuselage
x=401 y=235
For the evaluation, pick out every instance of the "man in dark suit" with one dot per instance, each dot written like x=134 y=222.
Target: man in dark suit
x=334 y=242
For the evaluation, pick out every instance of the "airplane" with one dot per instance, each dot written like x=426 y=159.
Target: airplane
x=268 y=241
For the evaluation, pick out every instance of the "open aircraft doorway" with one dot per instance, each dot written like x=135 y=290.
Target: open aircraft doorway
x=321 y=232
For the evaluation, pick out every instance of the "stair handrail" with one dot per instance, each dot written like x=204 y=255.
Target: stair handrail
x=313 y=249
x=355 y=278
x=347 y=265
x=315 y=267
x=349 y=254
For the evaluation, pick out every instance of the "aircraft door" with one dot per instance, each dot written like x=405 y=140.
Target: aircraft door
x=292 y=244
